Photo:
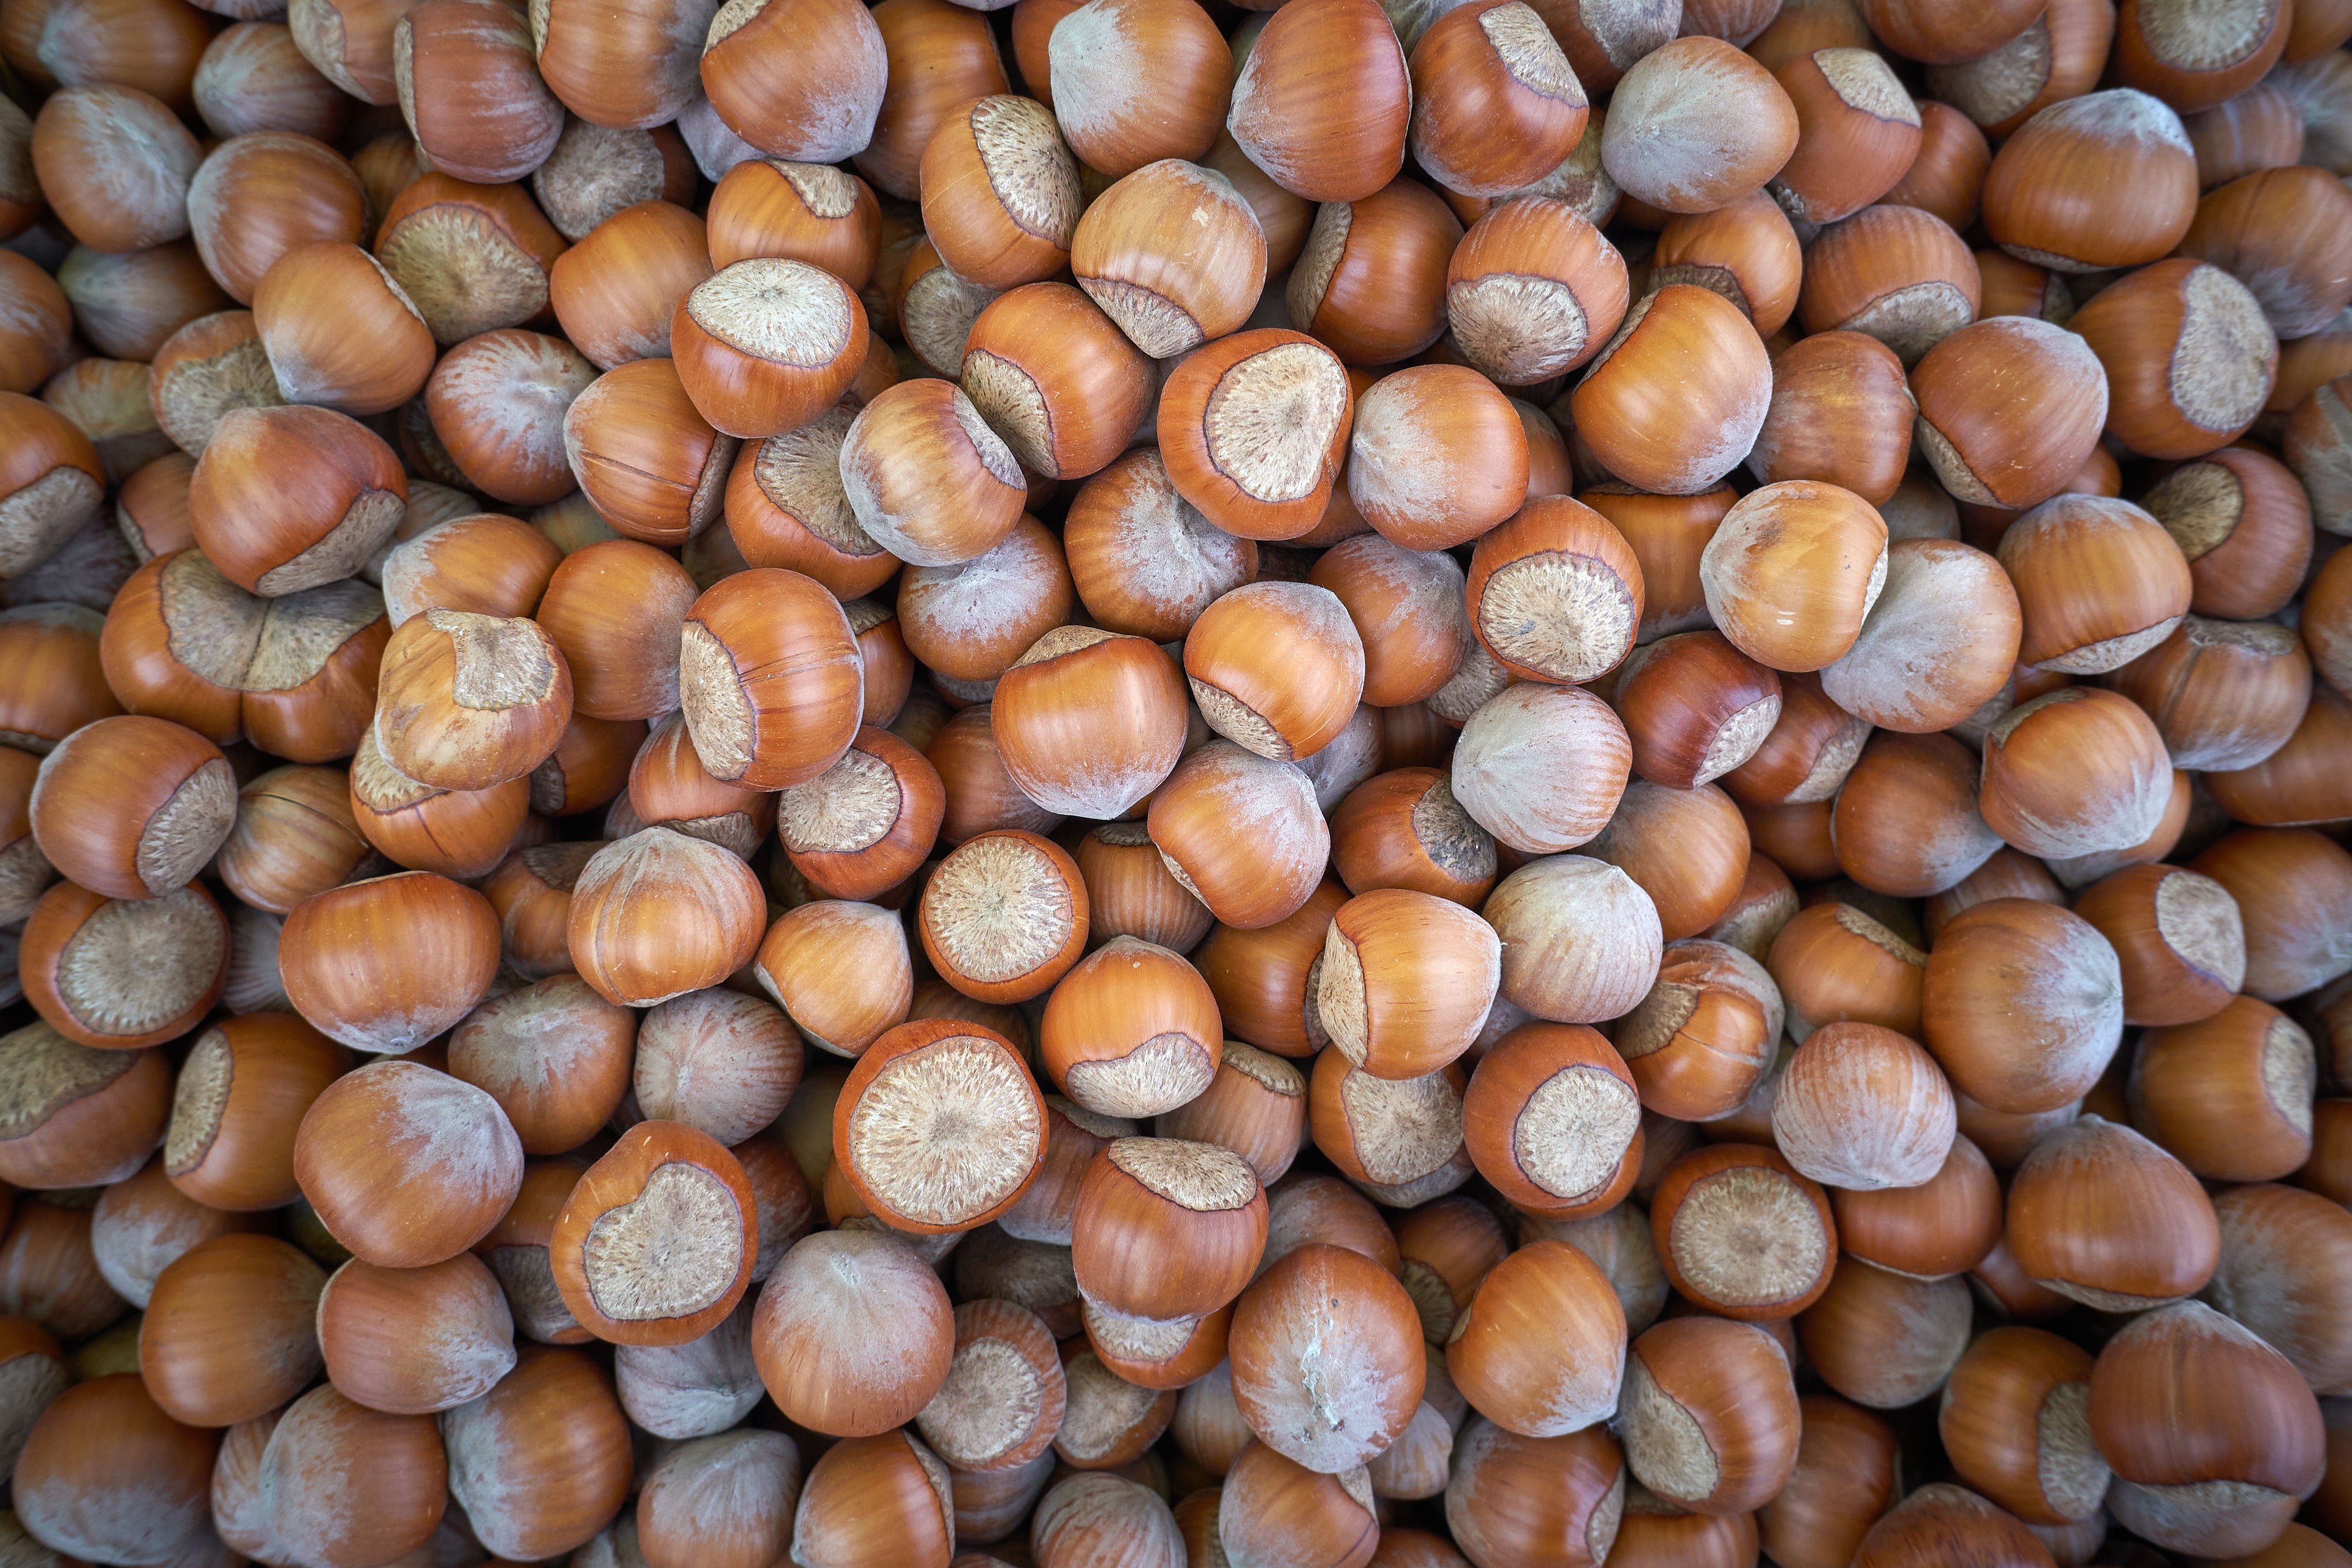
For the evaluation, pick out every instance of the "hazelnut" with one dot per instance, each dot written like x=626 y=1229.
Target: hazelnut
x=1667 y=535
x=1055 y=379
x=88 y=1116
x=1742 y=1234
x=2244 y=529
x=322 y=281
x=980 y=1121
x=78 y=1465
x=471 y=92
x=2189 y=358
x=1000 y=192
x=2102 y=1216
x=616 y=290
x=1884 y=1339
x=926 y=477
x=1710 y=1414
x=615 y=609
x=415 y=1341
x=542 y=1460
x=863 y=826
x=237 y=1102
x=1845 y=1477
x=801 y=213
x=1404 y=829
x=2265 y=227
x=1699 y=1042
x=2216 y=1378
x=730 y=1497
x=937 y=57
x=1262 y=976
x=115 y=166
x=293 y=498
x=1256 y=1105
x=1496 y=105
x=1895 y=273
x=1793 y=570
x=1947 y=178
x=2228 y=1095
x=1399 y=1140
x=1766 y=902
x=764 y=345
x=1695 y=709
x=1512 y=1496
x=2111 y=792
x=462 y=834
x=516 y=1250
x=1687 y=850
x=1861 y=1107
x=1245 y=657
x=694 y=1390
x=406 y=1166
x=1905 y=822
x=769 y=677
x=554 y=1054
x=210 y=366
x=1371 y=281
x=471 y=258
x=1005 y=1396
x=1437 y=456
x=2226 y=695
x=2279 y=1232
x=1857 y=133
x=123 y=972
x=658 y=914
x=820 y=109
x=53 y=479
x=1172 y=252
x=1407 y=606
x=1253 y=430
x=36 y=344
x=2151 y=55
x=656 y=1243
x=1840 y=412
x=1541 y=767
x=1946 y=609
x=468 y=701
x=1119 y=118
x=1004 y=916
x=132 y=807
x=1223 y=797
x=129 y=305
x=1581 y=939
x=1745 y=251
x=2121 y=141
x=498 y=403
x=1695 y=125
x=1947 y=1518
x=979 y=793
x=1323 y=100
x=1695 y=340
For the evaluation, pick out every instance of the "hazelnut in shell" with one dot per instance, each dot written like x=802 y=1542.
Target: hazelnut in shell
x=1323 y=101
x=1172 y=252
x=656 y=1243
x=1699 y=343
x=406 y=1166
x=979 y=1126
x=2102 y=1216
x=1695 y=125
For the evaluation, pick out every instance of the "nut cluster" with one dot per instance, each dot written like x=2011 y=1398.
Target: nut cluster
x=1175 y=784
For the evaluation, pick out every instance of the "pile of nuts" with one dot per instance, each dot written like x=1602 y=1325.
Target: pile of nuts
x=1357 y=783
